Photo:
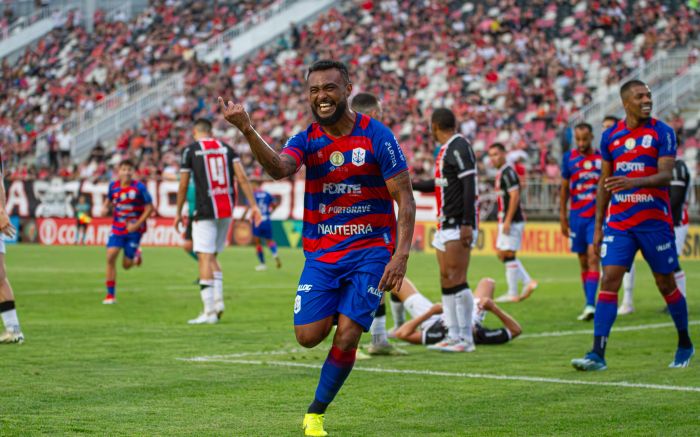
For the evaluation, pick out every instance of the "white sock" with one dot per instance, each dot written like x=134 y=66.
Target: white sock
x=680 y=281
x=397 y=313
x=218 y=291
x=512 y=274
x=413 y=304
x=465 y=309
x=9 y=319
x=449 y=310
x=628 y=286
x=378 y=330
x=524 y=275
x=207 y=293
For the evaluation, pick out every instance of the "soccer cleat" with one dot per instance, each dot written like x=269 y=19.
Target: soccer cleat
x=138 y=258
x=591 y=362
x=109 y=300
x=459 y=346
x=360 y=355
x=11 y=337
x=313 y=425
x=260 y=268
x=204 y=319
x=682 y=358
x=587 y=314
x=507 y=298
x=385 y=349
x=528 y=290
x=439 y=345
x=279 y=262
x=625 y=309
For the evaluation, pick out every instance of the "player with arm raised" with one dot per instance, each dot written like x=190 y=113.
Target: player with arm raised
x=638 y=158
x=8 y=312
x=213 y=166
x=355 y=170
x=580 y=172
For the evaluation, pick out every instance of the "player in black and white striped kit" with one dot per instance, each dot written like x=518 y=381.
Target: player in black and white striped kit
x=680 y=195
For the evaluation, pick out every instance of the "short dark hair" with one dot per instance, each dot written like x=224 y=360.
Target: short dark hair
x=584 y=125
x=498 y=146
x=128 y=162
x=612 y=118
x=629 y=84
x=364 y=103
x=444 y=119
x=203 y=125
x=328 y=64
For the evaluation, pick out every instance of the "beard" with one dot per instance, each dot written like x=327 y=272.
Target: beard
x=340 y=109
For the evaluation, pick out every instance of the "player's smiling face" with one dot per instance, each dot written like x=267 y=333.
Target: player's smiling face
x=328 y=95
x=638 y=102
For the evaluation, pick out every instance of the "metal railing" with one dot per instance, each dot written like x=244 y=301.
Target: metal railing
x=217 y=42
x=41 y=14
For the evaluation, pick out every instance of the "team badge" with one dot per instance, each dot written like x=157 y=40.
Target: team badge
x=630 y=143
x=337 y=158
x=587 y=165
x=358 y=156
x=646 y=141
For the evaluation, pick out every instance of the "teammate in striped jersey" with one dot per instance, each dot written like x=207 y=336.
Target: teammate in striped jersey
x=638 y=159
x=212 y=165
x=355 y=170
x=580 y=172
x=131 y=206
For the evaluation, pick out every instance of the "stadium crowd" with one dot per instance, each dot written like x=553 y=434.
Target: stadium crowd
x=513 y=71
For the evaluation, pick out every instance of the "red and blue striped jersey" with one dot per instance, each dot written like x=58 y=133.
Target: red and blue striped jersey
x=264 y=201
x=128 y=203
x=636 y=153
x=348 y=211
x=583 y=174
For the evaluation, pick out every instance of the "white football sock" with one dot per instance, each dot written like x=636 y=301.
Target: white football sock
x=378 y=330
x=628 y=286
x=9 y=319
x=449 y=310
x=397 y=313
x=680 y=281
x=207 y=293
x=512 y=274
x=416 y=304
x=218 y=291
x=465 y=309
x=524 y=275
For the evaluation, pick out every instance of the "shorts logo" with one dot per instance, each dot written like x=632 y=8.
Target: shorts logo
x=630 y=143
x=358 y=156
x=305 y=287
x=670 y=260
x=662 y=247
x=603 y=250
x=646 y=141
x=297 y=304
x=375 y=291
x=337 y=158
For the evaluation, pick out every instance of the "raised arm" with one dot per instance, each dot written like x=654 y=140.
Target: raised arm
x=276 y=165
x=400 y=189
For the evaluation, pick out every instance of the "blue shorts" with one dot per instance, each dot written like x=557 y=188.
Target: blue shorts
x=658 y=249
x=581 y=234
x=263 y=231
x=328 y=289
x=128 y=242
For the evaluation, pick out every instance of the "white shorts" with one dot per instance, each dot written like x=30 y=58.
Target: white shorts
x=443 y=236
x=513 y=240
x=681 y=233
x=209 y=236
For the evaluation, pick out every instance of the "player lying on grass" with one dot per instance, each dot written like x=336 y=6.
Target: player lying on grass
x=427 y=324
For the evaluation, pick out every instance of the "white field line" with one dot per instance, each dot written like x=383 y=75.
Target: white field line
x=618 y=329
x=536 y=379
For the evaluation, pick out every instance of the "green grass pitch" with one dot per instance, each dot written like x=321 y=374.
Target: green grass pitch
x=88 y=368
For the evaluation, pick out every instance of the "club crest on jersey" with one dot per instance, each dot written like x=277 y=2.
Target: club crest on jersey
x=587 y=165
x=646 y=141
x=337 y=158
x=358 y=156
x=630 y=143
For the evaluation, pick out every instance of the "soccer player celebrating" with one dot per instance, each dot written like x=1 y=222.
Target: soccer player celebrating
x=370 y=105
x=8 y=313
x=638 y=158
x=580 y=172
x=511 y=225
x=212 y=165
x=263 y=231
x=131 y=206
x=456 y=194
x=355 y=170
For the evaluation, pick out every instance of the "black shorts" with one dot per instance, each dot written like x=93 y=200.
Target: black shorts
x=491 y=336
x=188 y=230
x=435 y=333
